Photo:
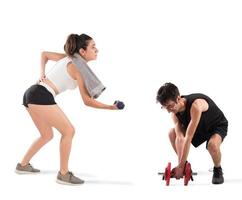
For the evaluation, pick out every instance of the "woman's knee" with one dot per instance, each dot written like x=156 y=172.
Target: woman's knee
x=47 y=137
x=69 y=132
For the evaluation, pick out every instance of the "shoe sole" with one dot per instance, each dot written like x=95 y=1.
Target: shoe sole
x=25 y=172
x=216 y=183
x=67 y=183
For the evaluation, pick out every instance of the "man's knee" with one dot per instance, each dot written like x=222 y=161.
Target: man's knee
x=213 y=146
x=172 y=135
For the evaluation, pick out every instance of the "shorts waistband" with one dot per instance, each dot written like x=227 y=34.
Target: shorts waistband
x=50 y=89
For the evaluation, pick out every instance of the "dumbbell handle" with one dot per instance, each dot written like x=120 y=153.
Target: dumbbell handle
x=162 y=173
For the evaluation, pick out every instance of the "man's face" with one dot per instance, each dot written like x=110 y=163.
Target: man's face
x=171 y=106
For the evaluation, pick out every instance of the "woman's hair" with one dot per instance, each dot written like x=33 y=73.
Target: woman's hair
x=75 y=42
x=167 y=92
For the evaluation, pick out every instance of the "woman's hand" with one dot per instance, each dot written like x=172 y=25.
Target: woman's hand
x=119 y=105
x=42 y=77
x=113 y=107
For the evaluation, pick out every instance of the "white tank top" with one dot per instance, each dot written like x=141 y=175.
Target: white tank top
x=60 y=77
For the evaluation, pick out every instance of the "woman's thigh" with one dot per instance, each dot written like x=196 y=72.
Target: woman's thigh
x=53 y=116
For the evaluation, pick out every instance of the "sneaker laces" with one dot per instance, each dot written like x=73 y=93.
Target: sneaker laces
x=71 y=175
x=32 y=167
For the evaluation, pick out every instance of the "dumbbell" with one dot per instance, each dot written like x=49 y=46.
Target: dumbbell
x=188 y=174
x=119 y=104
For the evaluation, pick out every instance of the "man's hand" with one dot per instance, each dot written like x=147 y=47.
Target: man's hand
x=177 y=172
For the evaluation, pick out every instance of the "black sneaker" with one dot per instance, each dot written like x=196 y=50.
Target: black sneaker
x=217 y=175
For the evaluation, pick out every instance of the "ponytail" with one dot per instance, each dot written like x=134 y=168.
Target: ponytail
x=75 y=42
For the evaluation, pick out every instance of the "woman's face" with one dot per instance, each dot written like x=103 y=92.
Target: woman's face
x=91 y=51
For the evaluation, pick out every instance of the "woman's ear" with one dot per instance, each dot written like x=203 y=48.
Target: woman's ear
x=82 y=52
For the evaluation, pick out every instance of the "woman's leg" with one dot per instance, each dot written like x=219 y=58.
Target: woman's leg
x=46 y=134
x=53 y=116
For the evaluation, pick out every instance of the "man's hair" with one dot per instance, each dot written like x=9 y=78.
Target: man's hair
x=167 y=92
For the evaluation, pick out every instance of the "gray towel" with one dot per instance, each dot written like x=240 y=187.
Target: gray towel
x=92 y=83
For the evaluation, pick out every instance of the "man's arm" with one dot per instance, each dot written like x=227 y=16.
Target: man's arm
x=198 y=107
x=180 y=134
x=178 y=128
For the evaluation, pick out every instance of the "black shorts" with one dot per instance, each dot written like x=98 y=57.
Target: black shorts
x=200 y=138
x=38 y=94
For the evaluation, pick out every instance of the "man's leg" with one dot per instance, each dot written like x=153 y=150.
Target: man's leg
x=214 y=150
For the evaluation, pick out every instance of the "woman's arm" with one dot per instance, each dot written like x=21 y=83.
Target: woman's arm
x=45 y=56
x=88 y=101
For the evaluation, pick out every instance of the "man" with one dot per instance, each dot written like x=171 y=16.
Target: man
x=197 y=119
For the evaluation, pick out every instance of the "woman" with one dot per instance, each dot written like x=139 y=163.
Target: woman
x=45 y=113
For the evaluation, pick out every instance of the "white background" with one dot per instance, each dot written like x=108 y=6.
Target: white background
x=142 y=44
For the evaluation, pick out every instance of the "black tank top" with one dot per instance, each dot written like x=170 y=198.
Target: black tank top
x=210 y=119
